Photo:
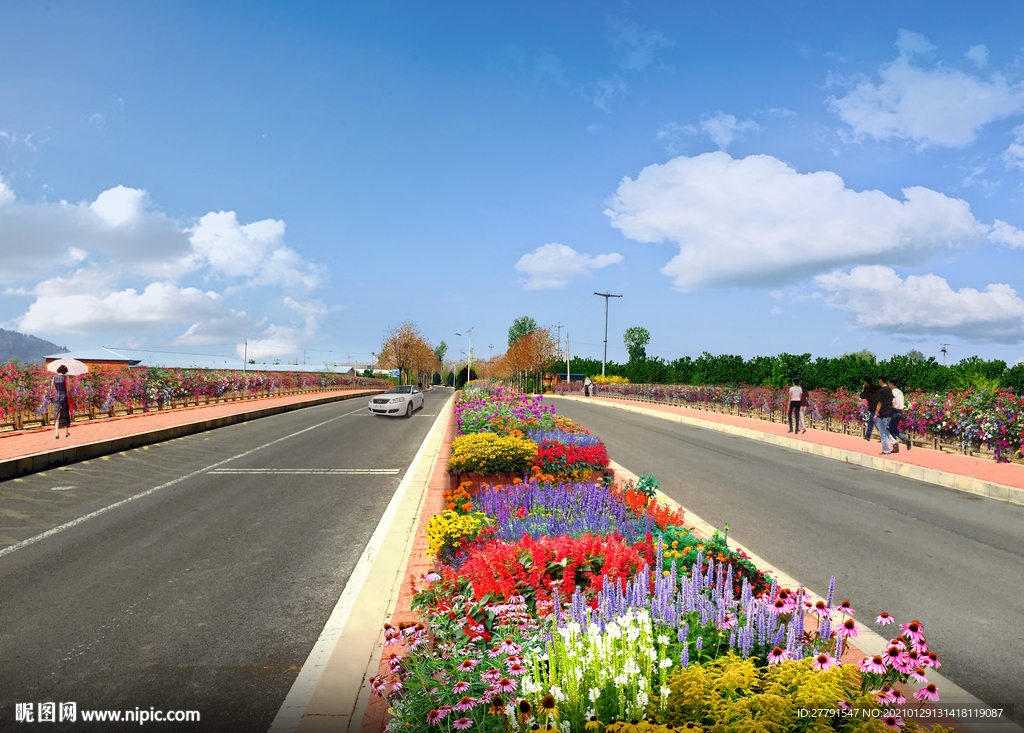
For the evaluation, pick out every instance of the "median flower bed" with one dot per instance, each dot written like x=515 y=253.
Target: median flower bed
x=590 y=606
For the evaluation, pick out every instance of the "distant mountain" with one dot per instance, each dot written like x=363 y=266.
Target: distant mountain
x=28 y=349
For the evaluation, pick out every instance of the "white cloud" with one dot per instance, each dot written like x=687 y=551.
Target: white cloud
x=118 y=265
x=61 y=306
x=880 y=300
x=978 y=55
x=756 y=221
x=1003 y=233
x=1013 y=156
x=555 y=265
x=932 y=106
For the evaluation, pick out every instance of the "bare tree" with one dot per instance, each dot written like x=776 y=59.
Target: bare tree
x=405 y=349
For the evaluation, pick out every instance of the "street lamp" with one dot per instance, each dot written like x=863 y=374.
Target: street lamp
x=469 y=362
x=606 y=296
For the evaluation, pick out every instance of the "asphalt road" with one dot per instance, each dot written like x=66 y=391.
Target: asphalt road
x=952 y=560
x=206 y=594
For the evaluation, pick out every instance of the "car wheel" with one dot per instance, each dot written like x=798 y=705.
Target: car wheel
x=408 y=410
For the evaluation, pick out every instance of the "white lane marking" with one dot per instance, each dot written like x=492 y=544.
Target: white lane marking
x=290 y=471
x=63 y=488
x=147 y=492
x=290 y=716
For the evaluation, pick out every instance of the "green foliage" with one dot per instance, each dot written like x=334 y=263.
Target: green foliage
x=440 y=350
x=636 y=339
x=520 y=327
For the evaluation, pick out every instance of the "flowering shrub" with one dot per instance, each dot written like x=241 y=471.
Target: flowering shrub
x=449 y=532
x=497 y=411
x=571 y=461
x=491 y=453
x=30 y=388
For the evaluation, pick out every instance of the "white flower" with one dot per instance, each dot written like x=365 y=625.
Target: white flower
x=662 y=639
x=665 y=663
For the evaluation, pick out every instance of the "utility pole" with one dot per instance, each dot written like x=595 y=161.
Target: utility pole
x=944 y=354
x=559 y=327
x=568 y=359
x=245 y=359
x=490 y=354
x=606 y=296
x=469 y=362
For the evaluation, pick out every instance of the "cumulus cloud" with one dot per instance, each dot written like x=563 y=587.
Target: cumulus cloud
x=880 y=300
x=117 y=264
x=555 y=265
x=254 y=252
x=62 y=309
x=1013 y=156
x=978 y=55
x=1006 y=234
x=756 y=221
x=930 y=105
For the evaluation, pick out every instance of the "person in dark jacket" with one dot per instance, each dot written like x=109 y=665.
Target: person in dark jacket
x=883 y=414
x=61 y=402
x=870 y=395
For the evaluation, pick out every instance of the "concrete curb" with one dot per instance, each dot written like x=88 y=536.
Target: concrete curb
x=869 y=642
x=967 y=484
x=15 y=467
x=332 y=692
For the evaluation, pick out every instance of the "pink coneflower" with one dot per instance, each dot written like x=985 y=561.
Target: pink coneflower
x=433 y=577
x=894 y=656
x=928 y=692
x=397 y=685
x=825 y=662
x=846 y=608
x=874 y=664
x=494 y=651
x=463 y=723
x=510 y=647
x=780 y=607
x=884 y=619
x=893 y=721
x=461 y=688
x=468 y=664
x=728 y=622
x=777 y=654
x=466 y=703
x=897 y=697
x=821 y=609
x=848 y=629
x=491 y=675
x=914 y=631
x=516 y=669
x=506 y=685
x=844 y=705
x=433 y=717
x=918 y=675
x=932 y=660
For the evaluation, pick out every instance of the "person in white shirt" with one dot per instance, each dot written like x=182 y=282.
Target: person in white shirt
x=897 y=415
x=586 y=387
x=795 y=392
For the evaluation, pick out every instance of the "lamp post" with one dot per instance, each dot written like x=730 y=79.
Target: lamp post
x=606 y=296
x=469 y=361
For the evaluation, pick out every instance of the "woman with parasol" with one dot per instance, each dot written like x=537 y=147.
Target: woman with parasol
x=63 y=408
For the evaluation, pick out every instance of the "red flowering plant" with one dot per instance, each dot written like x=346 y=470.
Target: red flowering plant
x=569 y=461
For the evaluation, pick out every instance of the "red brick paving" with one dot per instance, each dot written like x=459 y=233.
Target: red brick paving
x=21 y=443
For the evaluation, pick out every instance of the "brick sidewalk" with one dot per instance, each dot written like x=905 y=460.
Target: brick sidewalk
x=21 y=443
x=1006 y=474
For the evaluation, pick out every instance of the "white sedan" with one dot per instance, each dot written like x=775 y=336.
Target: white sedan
x=400 y=400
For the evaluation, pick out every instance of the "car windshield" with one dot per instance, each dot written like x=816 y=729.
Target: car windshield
x=404 y=389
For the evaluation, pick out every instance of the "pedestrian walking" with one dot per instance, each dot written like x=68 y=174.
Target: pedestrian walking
x=898 y=401
x=805 y=405
x=586 y=387
x=795 y=392
x=62 y=406
x=870 y=395
x=883 y=413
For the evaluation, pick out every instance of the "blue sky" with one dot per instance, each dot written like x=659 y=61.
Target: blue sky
x=753 y=178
